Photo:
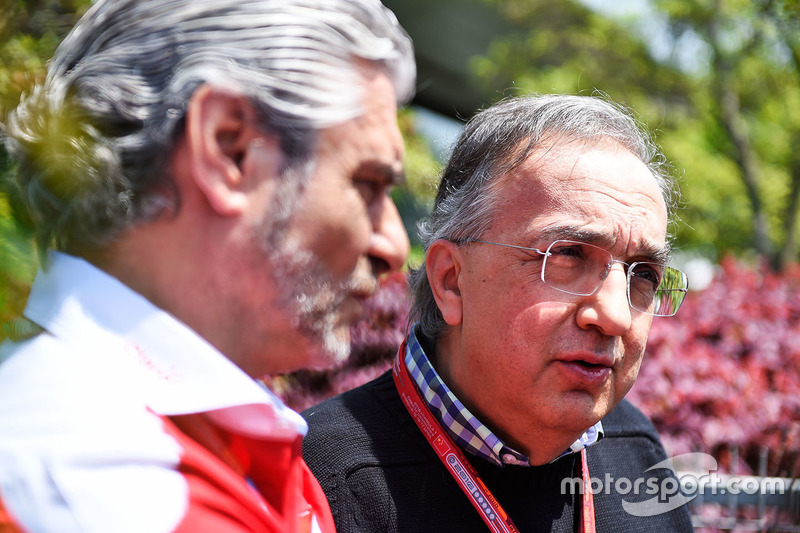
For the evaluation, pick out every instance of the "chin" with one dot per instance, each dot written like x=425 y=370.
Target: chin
x=586 y=412
x=331 y=349
x=603 y=407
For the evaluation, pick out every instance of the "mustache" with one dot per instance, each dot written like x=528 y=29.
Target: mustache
x=317 y=291
x=323 y=296
x=361 y=285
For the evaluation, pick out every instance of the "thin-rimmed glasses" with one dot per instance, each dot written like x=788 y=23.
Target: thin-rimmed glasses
x=580 y=268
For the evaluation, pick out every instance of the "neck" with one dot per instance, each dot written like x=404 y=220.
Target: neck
x=159 y=263
x=177 y=271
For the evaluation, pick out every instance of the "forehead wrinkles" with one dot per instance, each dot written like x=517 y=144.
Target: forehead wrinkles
x=602 y=186
x=615 y=196
x=573 y=166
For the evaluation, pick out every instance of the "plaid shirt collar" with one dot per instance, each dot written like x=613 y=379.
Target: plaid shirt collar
x=467 y=431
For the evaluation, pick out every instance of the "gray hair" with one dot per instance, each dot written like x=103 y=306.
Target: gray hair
x=494 y=143
x=92 y=141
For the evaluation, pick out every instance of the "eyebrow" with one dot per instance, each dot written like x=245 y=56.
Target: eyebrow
x=389 y=174
x=648 y=252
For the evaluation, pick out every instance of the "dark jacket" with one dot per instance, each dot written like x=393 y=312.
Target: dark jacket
x=381 y=476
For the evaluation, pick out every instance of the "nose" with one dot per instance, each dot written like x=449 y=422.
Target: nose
x=389 y=244
x=607 y=309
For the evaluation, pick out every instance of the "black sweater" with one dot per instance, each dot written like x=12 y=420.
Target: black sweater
x=381 y=476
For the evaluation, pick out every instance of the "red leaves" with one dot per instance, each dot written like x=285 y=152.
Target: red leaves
x=726 y=369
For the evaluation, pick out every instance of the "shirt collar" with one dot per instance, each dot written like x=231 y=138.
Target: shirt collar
x=465 y=429
x=178 y=371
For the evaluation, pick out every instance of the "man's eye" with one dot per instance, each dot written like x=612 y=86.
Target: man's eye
x=368 y=189
x=566 y=251
x=647 y=273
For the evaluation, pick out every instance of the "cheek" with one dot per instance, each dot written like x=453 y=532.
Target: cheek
x=537 y=324
x=524 y=335
x=634 y=347
x=335 y=227
x=630 y=371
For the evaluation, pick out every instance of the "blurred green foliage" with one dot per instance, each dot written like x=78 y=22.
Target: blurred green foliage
x=29 y=33
x=415 y=197
x=727 y=117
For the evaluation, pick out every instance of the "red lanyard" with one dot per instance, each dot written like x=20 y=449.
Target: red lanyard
x=462 y=471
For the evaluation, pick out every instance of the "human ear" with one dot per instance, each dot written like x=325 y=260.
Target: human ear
x=443 y=264
x=220 y=130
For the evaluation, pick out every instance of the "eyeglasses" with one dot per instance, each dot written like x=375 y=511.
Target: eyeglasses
x=579 y=268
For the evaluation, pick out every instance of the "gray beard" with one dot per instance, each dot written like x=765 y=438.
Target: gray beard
x=306 y=288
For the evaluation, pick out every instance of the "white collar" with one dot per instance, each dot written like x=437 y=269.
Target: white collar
x=180 y=372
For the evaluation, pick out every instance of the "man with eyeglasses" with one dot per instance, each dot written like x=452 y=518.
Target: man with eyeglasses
x=545 y=264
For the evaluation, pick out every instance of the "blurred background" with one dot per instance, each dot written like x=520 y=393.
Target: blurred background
x=717 y=81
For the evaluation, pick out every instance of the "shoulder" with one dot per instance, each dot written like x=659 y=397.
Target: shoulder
x=627 y=420
x=360 y=403
x=629 y=438
x=65 y=390
x=367 y=424
x=373 y=463
x=633 y=493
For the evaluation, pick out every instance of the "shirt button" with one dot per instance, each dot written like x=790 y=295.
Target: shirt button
x=508 y=458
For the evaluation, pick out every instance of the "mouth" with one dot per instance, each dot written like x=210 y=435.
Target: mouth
x=590 y=359
x=589 y=366
x=350 y=310
x=587 y=369
x=356 y=299
x=361 y=288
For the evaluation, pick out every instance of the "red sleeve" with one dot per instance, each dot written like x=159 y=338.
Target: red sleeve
x=7 y=525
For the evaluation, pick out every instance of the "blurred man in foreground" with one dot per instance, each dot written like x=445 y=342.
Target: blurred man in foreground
x=546 y=261
x=212 y=179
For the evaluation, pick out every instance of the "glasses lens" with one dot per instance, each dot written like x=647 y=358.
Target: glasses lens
x=575 y=267
x=580 y=268
x=656 y=289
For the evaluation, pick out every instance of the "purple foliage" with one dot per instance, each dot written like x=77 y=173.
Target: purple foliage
x=377 y=336
x=725 y=371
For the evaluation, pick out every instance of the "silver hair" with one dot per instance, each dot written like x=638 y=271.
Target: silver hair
x=498 y=140
x=92 y=140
